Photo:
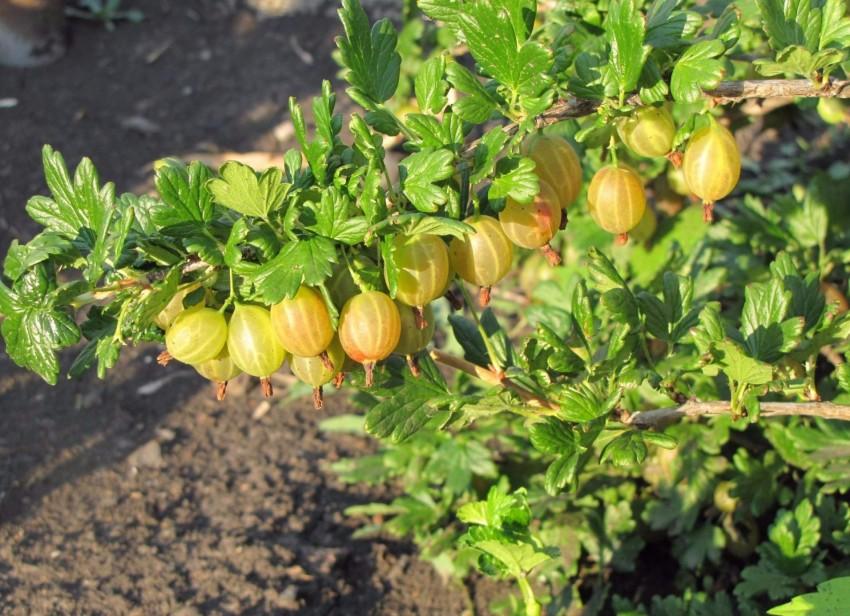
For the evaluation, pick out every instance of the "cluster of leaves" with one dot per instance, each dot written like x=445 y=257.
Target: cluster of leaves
x=548 y=480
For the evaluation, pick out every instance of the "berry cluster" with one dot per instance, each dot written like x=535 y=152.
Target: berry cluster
x=258 y=340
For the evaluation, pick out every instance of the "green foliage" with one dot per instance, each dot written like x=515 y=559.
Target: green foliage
x=554 y=457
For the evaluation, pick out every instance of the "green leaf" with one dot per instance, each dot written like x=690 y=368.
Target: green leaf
x=422 y=171
x=469 y=338
x=554 y=436
x=184 y=191
x=331 y=218
x=307 y=261
x=369 y=55
x=503 y=51
x=478 y=104
x=77 y=209
x=625 y=29
x=515 y=178
x=765 y=307
x=581 y=404
x=500 y=510
x=430 y=87
x=831 y=599
x=242 y=190
x=628 y=449
x=741 y=368
x=561 y=473
x=518 y=558
x=35 y=328
x=698 y=69
x=436 y=225
x=407 y=410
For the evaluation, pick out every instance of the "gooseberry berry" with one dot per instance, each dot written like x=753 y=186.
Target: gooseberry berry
x=196 y=336
x=649 y=131
x=556 y=164
x=533 y=224
x=317 y=372
x=413 y=339
x=423 y=270
x=712 y=165
x=219 y=370
x=646 y=228
x=369 y=329
x=302 y=323
x=253 y=345
x=174 y=307
x=482 y=258
x=616 y=200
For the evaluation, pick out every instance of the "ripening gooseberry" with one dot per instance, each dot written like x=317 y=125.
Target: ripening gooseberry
x=423 y=270
x=302 y=323
x=832 y=110
x=166 y=316
x=219 y=370
x=482 y=258
x=533 y=224
x=712 y=165
x=616 y=200
x=196 y=336
x=556 y=164
x=646 y=228
x=369 y=329
x=253 y=344
x=649 y=131
x=413 y=339
x=316 y=371
x=341 y=285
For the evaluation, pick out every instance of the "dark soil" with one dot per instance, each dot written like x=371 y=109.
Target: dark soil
x=116 y=500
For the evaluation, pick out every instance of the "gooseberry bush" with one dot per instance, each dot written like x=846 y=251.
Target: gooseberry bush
x=604 y=352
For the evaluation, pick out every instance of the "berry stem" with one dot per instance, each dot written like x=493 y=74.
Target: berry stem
x=339 y=380
x=622 y=239
x=551 y=255
x=318 y=398
x=326 y=360
x=419 y=317
x=413 y=364
x=675 y=158
x=369 y=367
x=164 y=358
x=708 y=211
x=266 y=385
x=220 y=390
x=484 y=296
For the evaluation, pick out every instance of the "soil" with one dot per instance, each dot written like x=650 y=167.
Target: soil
x=141 y=494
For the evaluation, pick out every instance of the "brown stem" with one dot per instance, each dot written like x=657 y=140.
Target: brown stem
x=622 y=239
x=657 y=418
x=708 y=211
x=484 y=296
x=413 y=365
x=266 y=386
x=369 y=367
x=164 y=358
x=551 y=255
x=318 y=398
x=339 y=379
x=675 y=157
x=725 y=92
x=326 y=360
x=220 y=390
x=491 y=377
x=419 y=317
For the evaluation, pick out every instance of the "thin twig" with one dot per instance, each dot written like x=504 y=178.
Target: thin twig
x=657 y=418
x=491 y=377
